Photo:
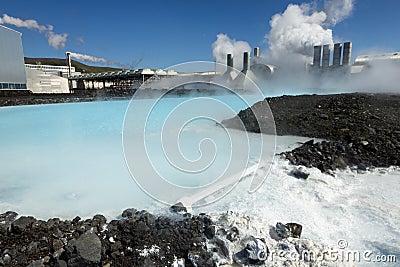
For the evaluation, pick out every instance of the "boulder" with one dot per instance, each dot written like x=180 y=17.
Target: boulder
x=282 y=230
x=128 y=213
x=210 y=231
x=288 y=230
x=178 y=208
x=6 y=219
x=300 y=172
x=295 y=229
x=88 y=247
x=256 y=251
x=22 y=223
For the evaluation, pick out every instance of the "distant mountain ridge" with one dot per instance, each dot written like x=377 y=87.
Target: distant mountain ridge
x=79 y=67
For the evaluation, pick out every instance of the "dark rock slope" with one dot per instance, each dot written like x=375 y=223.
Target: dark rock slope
x=137 y=239
x=361 y=130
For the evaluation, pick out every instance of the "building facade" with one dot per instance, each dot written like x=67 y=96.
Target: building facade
x=51 y=69
x=12 y=67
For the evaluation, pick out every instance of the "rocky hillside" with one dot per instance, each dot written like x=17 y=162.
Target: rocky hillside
x=79 y=67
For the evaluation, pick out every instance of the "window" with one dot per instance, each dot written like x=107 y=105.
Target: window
x=23 y=86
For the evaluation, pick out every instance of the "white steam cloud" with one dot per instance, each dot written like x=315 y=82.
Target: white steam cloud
x=338 y=10
x=101 y=60
x=225 y=45
x=89 y=58
x=55 y=40
x=294 y=32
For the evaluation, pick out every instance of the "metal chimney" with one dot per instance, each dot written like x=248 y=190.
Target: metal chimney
x=246 y=62
x=337 y=54
x=68 y=57
x=229 y=61
x=317 y=56
x=326 y=56
x=347 y=53
x=256 y=52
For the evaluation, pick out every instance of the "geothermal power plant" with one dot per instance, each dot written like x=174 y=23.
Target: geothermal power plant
x=15 y=75
x=341 y=56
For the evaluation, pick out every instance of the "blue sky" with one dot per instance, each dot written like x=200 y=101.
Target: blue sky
x=165 y=33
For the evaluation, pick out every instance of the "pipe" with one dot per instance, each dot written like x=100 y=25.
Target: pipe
x=326 y=56
x=337 y=54
x=229 y=61
x=68 y=56
x=347 y=53
x=256 y=52
x=246 y=62
x=317 y=56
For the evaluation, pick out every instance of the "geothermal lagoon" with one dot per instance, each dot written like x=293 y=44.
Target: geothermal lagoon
x=65 y=160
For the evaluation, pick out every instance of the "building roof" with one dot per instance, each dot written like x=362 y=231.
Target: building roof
x=2 y=26
x=386 y=56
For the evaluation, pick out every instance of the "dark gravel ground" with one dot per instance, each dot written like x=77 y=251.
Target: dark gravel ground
x=361 y=130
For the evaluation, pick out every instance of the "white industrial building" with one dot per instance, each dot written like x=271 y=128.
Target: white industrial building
x=12 y=68
x=43 y=82
x=15 y=75
x=51 y=69
x=48 y=78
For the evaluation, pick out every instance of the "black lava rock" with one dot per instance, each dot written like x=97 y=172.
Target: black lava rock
x=362 y=129
x=178 y=208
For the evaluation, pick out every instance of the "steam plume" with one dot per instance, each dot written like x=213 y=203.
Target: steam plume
x=300 y=27
x=101 y=60
x=294 y=33
x=55 y=40
x=89 y=58
x=338 y=10
x=225 y=45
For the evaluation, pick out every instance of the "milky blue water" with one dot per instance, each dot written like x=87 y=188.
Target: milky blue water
x=65 y=160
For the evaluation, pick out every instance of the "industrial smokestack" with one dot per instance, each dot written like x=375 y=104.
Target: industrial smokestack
x=326 y=56
x=229 y=61
x=317 y=56
x=337 y=54
x=68 y=57
x=347 y=53
x=256 y=51
x=246 y=62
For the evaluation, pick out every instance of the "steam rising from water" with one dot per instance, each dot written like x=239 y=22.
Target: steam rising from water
x=160 y=135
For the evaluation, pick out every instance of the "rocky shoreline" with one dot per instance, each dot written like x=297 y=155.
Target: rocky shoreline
x=25 y=97
x=139 y=238
x=361 y=130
